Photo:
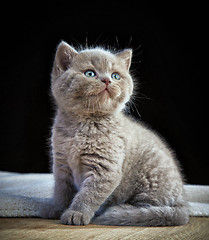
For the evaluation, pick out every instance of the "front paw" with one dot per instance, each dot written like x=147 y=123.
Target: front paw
x=70 y=217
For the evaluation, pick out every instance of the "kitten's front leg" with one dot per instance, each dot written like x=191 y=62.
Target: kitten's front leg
x=95 y=189
x=64 y=192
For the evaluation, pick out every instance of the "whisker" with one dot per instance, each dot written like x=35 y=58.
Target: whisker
x=133 y=106
x=94 y=104
x=141 y=96
x=99 y=106
x=137 y=61
x=86 y=40
x=97 y=39
x=138 y=54
x=88 y=105
x=117 y=42
x=130 y=40
x=76 y=42
x=137 y=48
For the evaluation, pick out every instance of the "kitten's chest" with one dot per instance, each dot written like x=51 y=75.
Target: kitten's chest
x=92 y=138
x=103 y=143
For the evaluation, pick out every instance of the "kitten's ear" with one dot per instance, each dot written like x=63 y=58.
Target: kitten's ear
x=126 y=55
x=63 y=57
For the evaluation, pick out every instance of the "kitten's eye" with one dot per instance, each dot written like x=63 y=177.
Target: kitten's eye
x=90 y=73
x=115 y=76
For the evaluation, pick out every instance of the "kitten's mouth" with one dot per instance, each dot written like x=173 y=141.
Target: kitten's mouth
x=105 y=93
x=106 y=90
x=98 y=92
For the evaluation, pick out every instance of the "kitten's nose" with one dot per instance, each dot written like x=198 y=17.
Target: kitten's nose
x=106 y=81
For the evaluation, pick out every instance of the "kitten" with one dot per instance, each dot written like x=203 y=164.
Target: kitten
x=108 y=168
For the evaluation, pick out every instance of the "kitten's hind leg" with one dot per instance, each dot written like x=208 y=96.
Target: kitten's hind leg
x=128 y=215
x=64 y=192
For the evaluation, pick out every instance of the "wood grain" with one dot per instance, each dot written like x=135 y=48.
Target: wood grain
x=36 y=228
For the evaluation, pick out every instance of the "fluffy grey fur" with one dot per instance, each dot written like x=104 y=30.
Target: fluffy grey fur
x=108 y=169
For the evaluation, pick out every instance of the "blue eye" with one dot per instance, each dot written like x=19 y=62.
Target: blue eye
x=90 y=73
x=115 y=76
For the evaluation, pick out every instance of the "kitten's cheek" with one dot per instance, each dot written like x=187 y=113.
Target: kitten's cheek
x=115 y=93
x=118 y=94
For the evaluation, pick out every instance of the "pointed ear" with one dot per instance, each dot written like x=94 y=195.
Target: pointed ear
x=63 y=57
x=126 y=55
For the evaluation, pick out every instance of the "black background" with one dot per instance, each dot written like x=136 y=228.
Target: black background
x=169 y=61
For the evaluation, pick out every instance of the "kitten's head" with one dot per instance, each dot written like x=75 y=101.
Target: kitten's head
x=92 y=81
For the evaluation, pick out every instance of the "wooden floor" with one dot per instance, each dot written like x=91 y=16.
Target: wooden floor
x=36 y=228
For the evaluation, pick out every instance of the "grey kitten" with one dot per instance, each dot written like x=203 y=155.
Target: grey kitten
x=108 y=168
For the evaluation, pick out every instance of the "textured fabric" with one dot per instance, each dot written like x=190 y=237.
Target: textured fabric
x=22 y=195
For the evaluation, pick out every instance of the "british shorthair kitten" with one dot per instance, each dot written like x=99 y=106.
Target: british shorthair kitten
x=108 y=168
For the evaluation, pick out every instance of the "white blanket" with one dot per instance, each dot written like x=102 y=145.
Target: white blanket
x=22 y=195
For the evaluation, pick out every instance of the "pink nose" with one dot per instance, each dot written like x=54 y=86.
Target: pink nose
x=106 y=81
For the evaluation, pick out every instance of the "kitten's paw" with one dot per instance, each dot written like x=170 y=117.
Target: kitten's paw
x=71 y=217
x=51 y=211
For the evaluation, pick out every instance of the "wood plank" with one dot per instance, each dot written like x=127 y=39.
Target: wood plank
x=36 y=228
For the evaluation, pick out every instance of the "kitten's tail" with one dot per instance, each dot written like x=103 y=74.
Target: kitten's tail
x=128 y=215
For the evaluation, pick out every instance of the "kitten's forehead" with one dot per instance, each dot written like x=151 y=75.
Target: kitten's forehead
x=99 y=58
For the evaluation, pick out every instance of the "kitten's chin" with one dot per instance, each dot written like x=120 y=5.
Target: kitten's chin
x=104 y=95
x=98 y=106
x=107 y=98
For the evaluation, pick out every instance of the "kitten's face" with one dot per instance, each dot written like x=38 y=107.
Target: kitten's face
x=91 y=82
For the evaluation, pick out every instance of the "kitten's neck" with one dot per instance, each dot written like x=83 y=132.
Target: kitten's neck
x=71 y=117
